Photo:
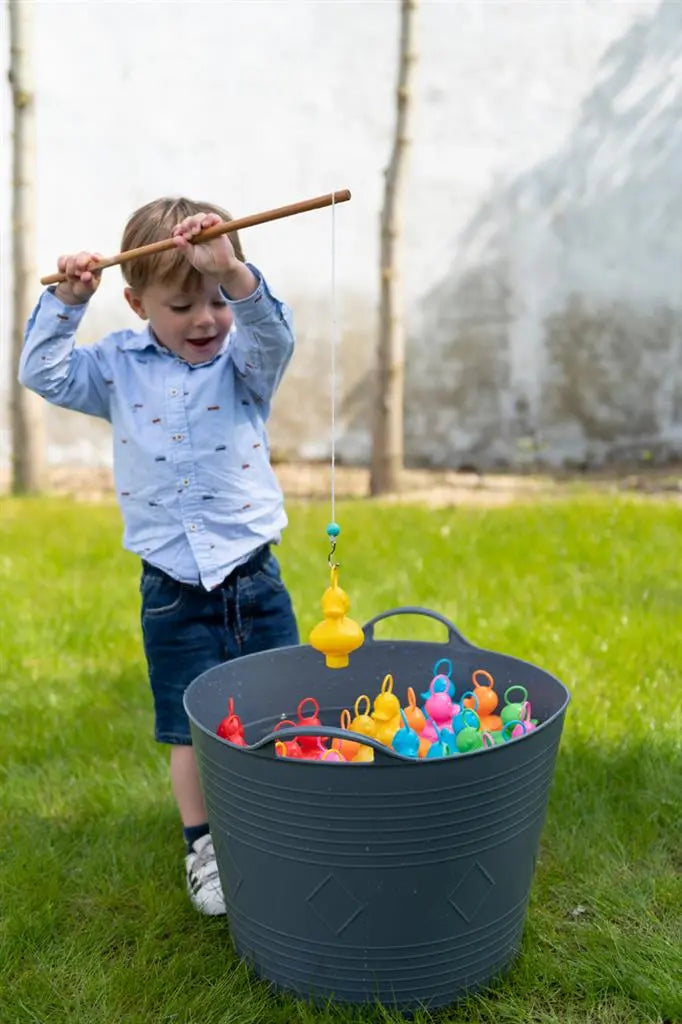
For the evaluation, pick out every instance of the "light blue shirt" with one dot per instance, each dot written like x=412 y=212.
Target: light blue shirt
x=191 y=455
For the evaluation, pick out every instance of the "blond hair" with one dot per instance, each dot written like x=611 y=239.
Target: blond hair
x=154 y=222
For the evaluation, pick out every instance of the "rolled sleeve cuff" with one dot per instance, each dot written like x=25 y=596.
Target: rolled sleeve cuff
x=50 y=305
x=258 y=306
x=52 y=319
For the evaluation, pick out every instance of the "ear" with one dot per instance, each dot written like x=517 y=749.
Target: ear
x=135 y=302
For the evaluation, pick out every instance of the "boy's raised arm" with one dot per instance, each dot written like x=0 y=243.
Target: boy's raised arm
x=54 y=368
x=263 y=343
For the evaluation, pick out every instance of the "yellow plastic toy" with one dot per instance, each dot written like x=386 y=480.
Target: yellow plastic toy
x=365 y=724
x=386 y=704
x=364 y=755
x=337 y=635
x=386 y=712
x=363 y=721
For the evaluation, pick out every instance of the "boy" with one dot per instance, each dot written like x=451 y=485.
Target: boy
x=187 y=398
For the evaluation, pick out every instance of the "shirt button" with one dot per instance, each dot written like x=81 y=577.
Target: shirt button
x=173 y=392
x=185 y=483
x=178 y=437
x=192 y=526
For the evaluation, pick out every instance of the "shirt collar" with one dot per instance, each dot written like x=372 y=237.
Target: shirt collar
x=146 y=339
x=142 y=340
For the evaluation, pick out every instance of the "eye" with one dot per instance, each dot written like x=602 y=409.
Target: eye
x=220 y=303
x=180 y=309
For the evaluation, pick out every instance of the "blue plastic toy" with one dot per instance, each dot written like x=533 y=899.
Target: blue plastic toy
x=406 y=741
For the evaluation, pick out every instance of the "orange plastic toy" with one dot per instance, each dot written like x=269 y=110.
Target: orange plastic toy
x=485 y=694
x=348 y=748
x=414 y=715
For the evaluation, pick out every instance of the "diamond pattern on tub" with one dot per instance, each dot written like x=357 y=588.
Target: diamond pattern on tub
x=334 y=904
x=471 y=892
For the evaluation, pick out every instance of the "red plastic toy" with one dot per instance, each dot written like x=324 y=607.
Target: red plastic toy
x=312 y=746
x=287 y=748
x=231 y=728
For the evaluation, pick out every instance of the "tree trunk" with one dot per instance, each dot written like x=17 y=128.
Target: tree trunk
x=387 y=441
x=27 y=409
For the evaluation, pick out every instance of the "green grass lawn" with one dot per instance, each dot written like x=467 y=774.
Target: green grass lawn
x=95 y=926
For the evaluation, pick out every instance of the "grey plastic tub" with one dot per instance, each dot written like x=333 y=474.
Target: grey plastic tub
x=401 y=882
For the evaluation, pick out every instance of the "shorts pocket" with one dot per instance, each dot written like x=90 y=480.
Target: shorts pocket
x=269 y=573
x=161 y=595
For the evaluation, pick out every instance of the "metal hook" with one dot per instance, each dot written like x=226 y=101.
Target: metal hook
x=330 y=556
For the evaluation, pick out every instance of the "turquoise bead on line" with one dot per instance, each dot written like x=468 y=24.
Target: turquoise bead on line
x=333 y=530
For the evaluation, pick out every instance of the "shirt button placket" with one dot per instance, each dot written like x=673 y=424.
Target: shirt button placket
x=182 y=447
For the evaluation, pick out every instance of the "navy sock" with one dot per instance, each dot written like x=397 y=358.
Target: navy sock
x=194 y=832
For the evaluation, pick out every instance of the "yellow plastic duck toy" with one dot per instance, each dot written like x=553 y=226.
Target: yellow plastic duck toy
x=337 y=635
x=386 y=712
x=365 y=724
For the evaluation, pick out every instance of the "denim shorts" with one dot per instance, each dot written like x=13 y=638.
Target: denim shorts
x=187 y=630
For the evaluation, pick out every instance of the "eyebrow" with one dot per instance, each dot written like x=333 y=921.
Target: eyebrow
x=190 y=296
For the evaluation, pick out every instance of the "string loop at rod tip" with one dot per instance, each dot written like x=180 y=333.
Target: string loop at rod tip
x=317 y=203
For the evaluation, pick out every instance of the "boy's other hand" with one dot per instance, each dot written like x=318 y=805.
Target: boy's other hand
x=82 y=281
x=216 y=257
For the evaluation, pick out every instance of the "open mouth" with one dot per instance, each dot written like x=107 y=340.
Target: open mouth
x=201 y=342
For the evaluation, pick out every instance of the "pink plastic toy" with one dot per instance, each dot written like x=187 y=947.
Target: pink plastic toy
x=440 y=683
x=443 y=746
x=440 y=708
x=513 y=729
x=525 y=725
x=332 y=755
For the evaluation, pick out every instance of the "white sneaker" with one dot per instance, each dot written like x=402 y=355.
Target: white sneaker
x=203 y=883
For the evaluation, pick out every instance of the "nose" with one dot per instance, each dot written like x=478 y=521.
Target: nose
x=204 y=317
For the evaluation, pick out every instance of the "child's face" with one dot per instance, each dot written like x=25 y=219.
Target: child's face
x=192 y=324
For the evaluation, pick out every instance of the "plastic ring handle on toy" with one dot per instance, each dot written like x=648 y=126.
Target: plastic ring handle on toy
x=382 y=754
x=454 y=636
x=482 y=672
x=302 y=703
x=284 y=722
x=516 y=686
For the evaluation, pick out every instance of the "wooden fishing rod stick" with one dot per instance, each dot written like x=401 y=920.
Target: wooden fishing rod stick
x=218 y=229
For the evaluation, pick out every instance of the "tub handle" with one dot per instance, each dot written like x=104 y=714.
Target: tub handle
x=454 y=636
x=383 y=755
